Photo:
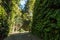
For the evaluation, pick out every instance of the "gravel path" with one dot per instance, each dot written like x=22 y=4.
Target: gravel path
x=22 y=36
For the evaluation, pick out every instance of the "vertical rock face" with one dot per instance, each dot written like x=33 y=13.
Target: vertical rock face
x=46 y=19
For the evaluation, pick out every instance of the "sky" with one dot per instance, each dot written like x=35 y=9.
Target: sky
x=22 y=3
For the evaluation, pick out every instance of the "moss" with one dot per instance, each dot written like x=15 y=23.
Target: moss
x=42 y=23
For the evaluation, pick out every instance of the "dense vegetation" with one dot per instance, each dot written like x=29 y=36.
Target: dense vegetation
x=11 y=19
x=41 y=17
x=46 y=21
x=27 y=14
x=8 y=9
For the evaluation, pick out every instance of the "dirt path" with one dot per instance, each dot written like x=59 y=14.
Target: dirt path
x=22 y=36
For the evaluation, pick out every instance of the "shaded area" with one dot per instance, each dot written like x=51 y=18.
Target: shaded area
x=22 y=36
x=46 y=20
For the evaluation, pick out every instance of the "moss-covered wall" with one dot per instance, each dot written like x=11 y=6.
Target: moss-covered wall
x=4 y=26
x=8 y=11
x=46 y=19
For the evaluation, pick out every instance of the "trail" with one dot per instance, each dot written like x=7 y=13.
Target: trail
x=22 y=36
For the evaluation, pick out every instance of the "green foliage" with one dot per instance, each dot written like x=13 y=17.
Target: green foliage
x=27 y=14
x=8 y=10
x=13 y=13
x=46 y=20
x=4 y=29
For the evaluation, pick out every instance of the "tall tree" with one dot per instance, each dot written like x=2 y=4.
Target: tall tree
x=29 y=6
x=27 y=14
x=46 y=19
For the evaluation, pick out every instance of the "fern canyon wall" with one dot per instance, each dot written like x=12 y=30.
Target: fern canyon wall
x=8 y=11
x=46 y=19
